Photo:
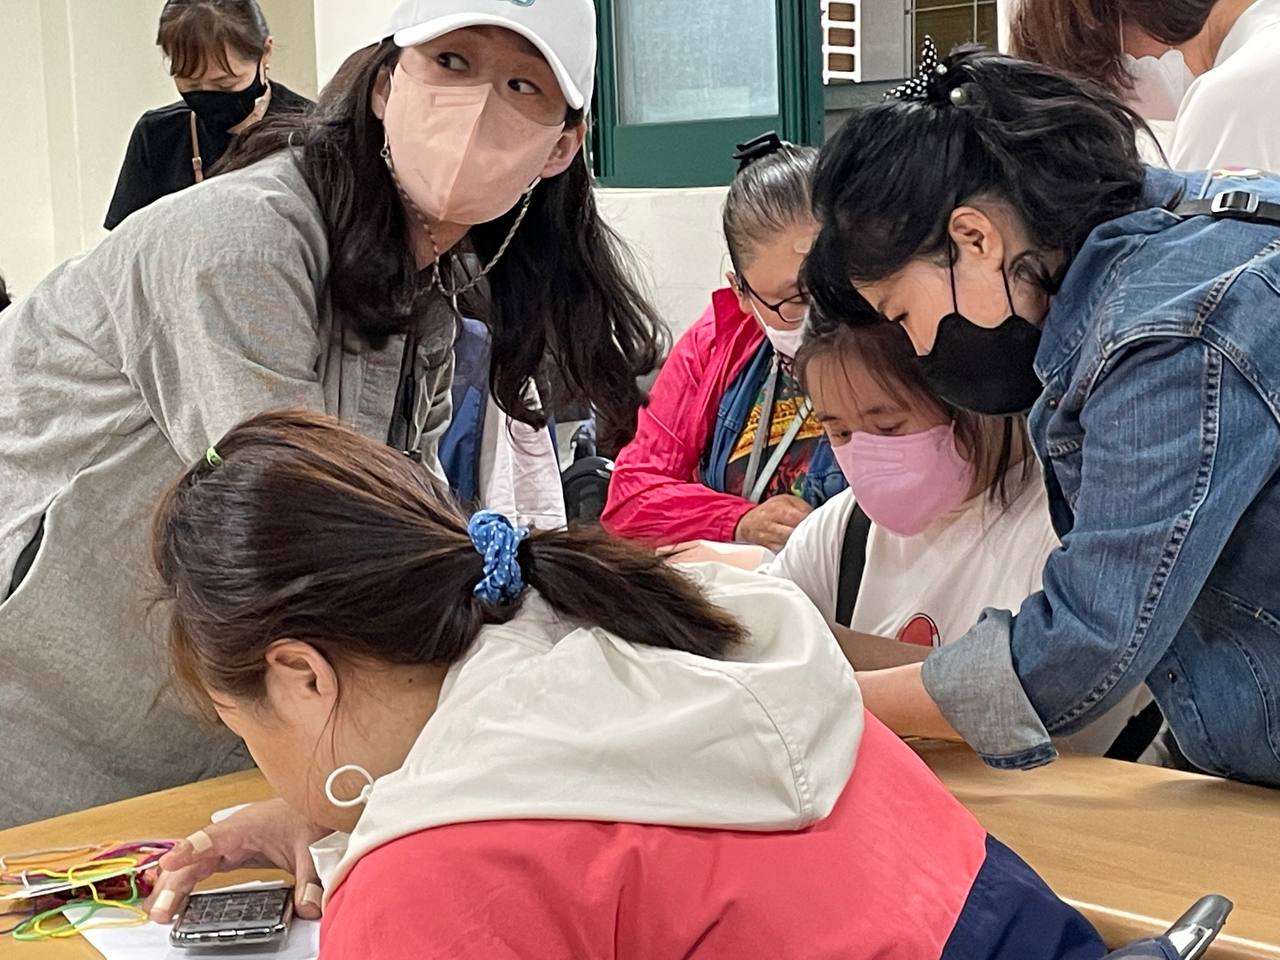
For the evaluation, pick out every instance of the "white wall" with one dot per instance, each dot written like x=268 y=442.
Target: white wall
x=678 y=243
x=343 y=27
x=293 y=26
x=26 y=191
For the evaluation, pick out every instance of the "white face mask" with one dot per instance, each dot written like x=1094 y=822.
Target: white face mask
x=1159 y=84
x=785 y=342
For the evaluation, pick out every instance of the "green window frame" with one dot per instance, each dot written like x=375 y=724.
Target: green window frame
x=698 y=153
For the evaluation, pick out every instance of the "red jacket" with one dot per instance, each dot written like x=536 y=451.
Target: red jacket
x=899 y=871
x=578 y=797
x=656 y=494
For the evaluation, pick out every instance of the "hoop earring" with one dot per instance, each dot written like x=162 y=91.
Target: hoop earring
x=361 y=798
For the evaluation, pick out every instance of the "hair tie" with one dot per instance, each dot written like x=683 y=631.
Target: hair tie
x=930 y=70
x=497 y=541
x=211 y=457
x=762 y=146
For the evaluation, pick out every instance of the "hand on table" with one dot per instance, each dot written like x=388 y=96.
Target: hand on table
x=771 y=524
x=268 y=834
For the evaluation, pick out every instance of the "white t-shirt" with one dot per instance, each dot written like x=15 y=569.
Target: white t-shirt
x=931 y=589
x=1230 y=116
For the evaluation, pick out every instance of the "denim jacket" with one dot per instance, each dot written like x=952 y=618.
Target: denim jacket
x=822 y=481
x=1160 y=430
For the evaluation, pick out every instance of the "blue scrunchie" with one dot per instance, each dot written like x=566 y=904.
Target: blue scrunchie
x=497 y=541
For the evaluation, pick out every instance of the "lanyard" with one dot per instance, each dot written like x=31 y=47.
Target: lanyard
x=753 y=486
x=197 y=162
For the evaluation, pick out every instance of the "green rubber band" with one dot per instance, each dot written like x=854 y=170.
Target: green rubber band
x=211 y=455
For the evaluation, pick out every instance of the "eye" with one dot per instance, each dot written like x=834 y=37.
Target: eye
x=839 y=436
x=453 y=61
x=890 y=428
x=524 y=87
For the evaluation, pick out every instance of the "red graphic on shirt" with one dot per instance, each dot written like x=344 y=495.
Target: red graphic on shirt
x=921 y=631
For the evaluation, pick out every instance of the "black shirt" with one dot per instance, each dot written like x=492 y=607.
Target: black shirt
x=158 y=161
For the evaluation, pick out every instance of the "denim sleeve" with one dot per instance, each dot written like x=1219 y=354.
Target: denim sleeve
x=1177 y=445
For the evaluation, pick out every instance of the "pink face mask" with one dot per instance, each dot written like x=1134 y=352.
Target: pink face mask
x=905 y=483
x=462 y=154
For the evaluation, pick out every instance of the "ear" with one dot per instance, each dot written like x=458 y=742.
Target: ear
x=266 y=53
x=381 y=93
x=744 y=298
x=565 y=151
x=976 y=236
x=299 y=679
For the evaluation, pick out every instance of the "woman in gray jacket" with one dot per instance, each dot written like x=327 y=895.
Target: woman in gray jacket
x=325 y=272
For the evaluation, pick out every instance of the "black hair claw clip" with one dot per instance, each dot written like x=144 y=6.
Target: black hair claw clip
x=757 y=149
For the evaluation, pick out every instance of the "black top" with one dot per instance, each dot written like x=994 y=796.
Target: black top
x=158 y=161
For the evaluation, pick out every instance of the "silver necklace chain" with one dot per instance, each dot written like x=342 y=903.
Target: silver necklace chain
x=437 y=276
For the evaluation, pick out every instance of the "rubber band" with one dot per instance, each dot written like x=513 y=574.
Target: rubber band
x=111 y=877
x=53 y=853
x=34 y=929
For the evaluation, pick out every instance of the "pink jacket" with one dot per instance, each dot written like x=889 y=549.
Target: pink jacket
x=655 y=494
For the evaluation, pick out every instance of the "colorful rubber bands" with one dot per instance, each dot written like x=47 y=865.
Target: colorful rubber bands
x=88 y=879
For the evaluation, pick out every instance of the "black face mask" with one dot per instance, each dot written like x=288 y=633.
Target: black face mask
x=223 y=109
x=989 y=371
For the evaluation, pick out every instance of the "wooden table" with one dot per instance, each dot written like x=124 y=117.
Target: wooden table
x=162 y=816
x=1131 y=846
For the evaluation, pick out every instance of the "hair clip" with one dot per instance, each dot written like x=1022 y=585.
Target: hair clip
x=931 y=68
x=759 y=148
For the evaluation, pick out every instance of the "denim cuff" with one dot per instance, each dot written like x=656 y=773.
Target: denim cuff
x=977 y=689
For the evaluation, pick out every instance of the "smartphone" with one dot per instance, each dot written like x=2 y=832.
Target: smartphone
x=234 y=917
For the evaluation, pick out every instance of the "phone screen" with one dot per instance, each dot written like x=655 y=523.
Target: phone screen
x=255 y=915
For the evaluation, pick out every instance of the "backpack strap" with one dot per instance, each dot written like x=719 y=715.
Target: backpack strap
x=1232 y=205
x=853 y=561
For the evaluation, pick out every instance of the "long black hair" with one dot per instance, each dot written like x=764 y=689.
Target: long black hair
x=1061 y=153
x=562 y=293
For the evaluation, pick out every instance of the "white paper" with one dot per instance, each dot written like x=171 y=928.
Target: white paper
x=150 y=941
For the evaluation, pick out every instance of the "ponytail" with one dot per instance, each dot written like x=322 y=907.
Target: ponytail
x=294 y=526
x=587 y=576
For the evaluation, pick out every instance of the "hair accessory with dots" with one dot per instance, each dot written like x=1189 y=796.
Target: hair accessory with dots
x=497 y=541
x=930 y=70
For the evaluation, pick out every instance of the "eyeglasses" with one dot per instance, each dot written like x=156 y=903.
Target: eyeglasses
x=800 y=300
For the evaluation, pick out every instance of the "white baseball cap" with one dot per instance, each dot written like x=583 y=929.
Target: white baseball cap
x=563 y=30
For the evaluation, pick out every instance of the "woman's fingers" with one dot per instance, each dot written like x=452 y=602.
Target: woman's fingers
x=173 y=887
x=189 y=851
x=268 y=834
x=307 y=893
